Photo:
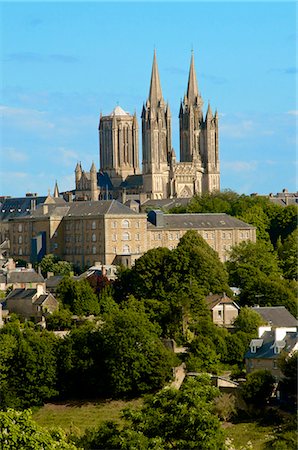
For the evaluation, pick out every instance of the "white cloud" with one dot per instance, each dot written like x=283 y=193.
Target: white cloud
x=293 y=112
x=239 y=166
x=238 y=129
x=28 y=119
x=14 y=155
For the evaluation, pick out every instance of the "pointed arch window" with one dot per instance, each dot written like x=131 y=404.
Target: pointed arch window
x=125 y=223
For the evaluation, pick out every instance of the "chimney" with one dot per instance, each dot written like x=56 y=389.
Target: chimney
x=29 y=266
x=40 y=290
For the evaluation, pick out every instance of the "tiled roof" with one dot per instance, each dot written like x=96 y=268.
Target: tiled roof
x=214 y=299
x=277 y=316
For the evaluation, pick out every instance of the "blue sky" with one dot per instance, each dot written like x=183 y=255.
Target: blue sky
x=64 y=63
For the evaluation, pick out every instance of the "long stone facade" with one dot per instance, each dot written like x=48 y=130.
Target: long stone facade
x=162 y=176
x=109 y=232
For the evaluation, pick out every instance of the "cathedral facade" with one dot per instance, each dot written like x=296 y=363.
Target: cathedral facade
x=162 y=176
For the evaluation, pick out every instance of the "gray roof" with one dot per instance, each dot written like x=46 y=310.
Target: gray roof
x=84 y=208
x=267 y=349
x=165 y=204
x=24 y=276
x=53 y=281
x=277 y=316
x=42 y=298
x=19 y=206
x=202 y=221
x=21 y=293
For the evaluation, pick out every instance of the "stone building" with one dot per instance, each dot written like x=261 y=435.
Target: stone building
x=109 y=232
x=162 y=176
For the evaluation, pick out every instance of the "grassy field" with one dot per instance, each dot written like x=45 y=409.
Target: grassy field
x=76 y=417
x=248 y=435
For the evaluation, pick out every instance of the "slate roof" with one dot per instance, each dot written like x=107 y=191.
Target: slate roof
x=24 y=276
x=132 y=182
x=99 y=208
x=165 y=204
x=104 y=181
x=21 y=293
x=53 y=281
x=19 y=206
x=277 y=316
x=214 y=299
x=84 y=208
x=41 y=299
x=204 y=221
x=267 y=349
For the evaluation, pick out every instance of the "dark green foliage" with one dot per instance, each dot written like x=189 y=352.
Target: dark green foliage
x=51 y=263
x=173 y=284
x=60 y=320
x=272 y=221
x=124 y=357
x=78 y=296
x=181 y=419
x=29 y=367
x=258 y=388
x=289 y=367
x=248 y=322
x=19 y=431
x=135 y=358
x=288 y=256
x=254 y=268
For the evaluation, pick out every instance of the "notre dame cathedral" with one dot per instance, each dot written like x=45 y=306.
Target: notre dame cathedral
x=161 y=176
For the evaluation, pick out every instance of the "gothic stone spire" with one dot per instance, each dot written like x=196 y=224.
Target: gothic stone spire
x=155 y=94
x=193 y=95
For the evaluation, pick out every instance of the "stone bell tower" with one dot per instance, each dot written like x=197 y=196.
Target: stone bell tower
x=156 y=139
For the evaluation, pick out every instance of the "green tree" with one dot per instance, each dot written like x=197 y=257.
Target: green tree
x=135 y=358
x=31 y=371
x=248 y=321
x=289 y=367
x=19 y=431
x=258 y=388
x=182 y=419
x=60 y=320
x=78 y=296
x=51 y=263
x=288 y=256
x=251 y=257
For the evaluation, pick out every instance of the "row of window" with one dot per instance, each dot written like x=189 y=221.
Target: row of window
x=126 y=236
x=77 y=225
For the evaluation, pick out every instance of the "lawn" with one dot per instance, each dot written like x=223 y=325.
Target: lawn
x=77 y=416
x=248 y=435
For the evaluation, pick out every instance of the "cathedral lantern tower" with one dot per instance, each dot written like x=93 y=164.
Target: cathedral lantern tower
x=156 y=139
x=119 y=146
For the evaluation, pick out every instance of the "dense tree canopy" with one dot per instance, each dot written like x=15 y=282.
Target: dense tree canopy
x=28 y=367
x=19 y=431
x=182 y=419
x=51 y=263
x=258 y=388
x=78 y=296
x=173 y=284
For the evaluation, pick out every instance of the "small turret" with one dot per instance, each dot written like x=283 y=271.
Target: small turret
x=78 y=172
x=56 y=190
x=209 y=115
